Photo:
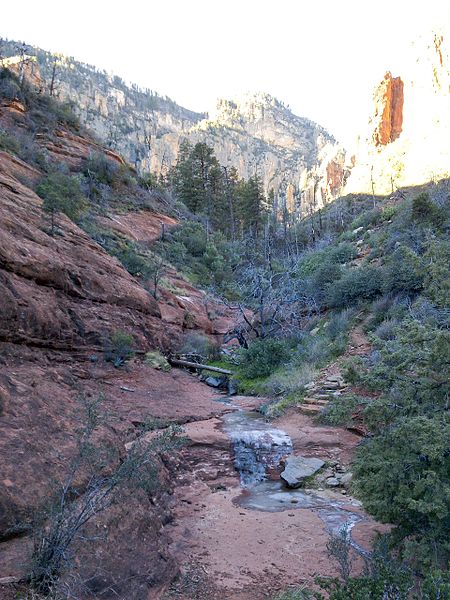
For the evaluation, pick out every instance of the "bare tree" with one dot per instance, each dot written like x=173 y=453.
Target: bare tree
x=63 y=520
x=339 y=548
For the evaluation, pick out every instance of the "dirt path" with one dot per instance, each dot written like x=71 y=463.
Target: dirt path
x=330 y=383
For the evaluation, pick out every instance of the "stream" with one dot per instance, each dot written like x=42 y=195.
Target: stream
x=258 y=449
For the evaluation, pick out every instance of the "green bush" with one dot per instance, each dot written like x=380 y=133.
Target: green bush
x=343 y=253
x=404 y=272
x=325 y=275
x=402 y=477
x=134 y=262
x=263 y=357
x=101 y=168
x=9 y=142
x=119 y=348
x=339 y=411
x=362 y=283
x=425 y=212
x=9 y=86
x=367 y=218
x=193 y=236
x=437 y=269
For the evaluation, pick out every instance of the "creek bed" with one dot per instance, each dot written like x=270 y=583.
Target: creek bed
x=258 y=450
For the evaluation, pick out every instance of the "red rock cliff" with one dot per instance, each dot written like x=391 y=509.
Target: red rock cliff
x=388 y=110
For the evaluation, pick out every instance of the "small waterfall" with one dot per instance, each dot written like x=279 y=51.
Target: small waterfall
x=257 y=447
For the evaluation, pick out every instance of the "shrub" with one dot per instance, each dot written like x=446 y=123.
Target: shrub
x=193 y=236
x=339 y=324
x=197 y=344
x=157 y=361
x=367 y=218
x=404 y=272
x=387 y=330
x=324 y=276
x=119 y=348
x=339 y=411
x=379 y=310
x=101 y=168
x=9 y=86
x=289 y=381
x=402 y=477
x=62 y=522
x=424 y=211
x=437 y=280
x=134 y=262
x=362 y=283
x=342 y=253
x=263 y=357
x=9 y=142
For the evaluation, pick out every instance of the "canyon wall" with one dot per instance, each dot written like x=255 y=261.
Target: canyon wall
x=255 y=134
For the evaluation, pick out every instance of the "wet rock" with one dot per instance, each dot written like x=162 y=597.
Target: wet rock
x=298 y=468
x=232 y=387
x=213 y=381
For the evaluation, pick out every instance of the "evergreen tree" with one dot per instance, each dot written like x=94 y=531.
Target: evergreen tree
x=252 y=206
x=61 y=193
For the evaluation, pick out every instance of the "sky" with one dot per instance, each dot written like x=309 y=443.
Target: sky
x=323 y=58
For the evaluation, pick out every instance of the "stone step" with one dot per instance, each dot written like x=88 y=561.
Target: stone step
x=310 y=409
x=315 y=400
x=322 y=396
x=331 y=385
x=335 y=378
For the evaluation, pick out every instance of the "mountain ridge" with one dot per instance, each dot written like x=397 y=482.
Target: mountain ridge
x=257 y=133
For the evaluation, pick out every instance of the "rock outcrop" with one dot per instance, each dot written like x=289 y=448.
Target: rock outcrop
x=406 y=142
x=61 y=291
x=388 y=110
x=61 y=298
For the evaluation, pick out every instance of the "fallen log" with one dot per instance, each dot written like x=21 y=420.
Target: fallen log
x=193 y=365
x=9 y=580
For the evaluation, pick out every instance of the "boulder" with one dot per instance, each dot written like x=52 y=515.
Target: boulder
x=213 y=381
x=332 y=482
x=298 y=468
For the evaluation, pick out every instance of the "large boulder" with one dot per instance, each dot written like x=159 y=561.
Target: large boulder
x=298 y=468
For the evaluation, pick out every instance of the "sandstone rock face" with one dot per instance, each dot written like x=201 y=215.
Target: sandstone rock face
x=406 y=142
x=388 y=110
x=64 y=290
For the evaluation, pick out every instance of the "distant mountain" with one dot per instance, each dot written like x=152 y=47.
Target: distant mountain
x=295 y=157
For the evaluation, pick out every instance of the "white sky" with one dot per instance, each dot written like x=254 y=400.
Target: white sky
x=322 y=57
